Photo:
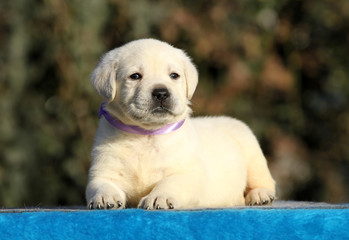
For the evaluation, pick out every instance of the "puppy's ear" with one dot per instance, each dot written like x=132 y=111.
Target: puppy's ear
x=191 y=76
x=103 y=78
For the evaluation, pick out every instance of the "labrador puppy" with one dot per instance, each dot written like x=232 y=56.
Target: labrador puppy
x=149 y=153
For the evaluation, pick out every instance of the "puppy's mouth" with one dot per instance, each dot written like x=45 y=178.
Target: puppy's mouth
x=155 y=112
x=161 y=110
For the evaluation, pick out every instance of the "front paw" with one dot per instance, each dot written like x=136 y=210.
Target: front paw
x=106 y=201
x=259 y=196
x=157 y=202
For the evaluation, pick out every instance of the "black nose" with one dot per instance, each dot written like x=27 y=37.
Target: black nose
x=160 y=94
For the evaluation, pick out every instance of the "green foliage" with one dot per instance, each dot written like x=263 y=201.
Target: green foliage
x=281 y=66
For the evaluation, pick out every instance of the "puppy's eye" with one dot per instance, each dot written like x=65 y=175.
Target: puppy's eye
x=174 y=76
x=136 y=76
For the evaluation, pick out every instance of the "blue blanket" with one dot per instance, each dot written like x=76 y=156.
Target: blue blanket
x=293 y=222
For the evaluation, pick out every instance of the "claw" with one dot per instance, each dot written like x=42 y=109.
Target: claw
x=90 y=206
x=158 y=207
x=119 y=204
x=265 y=202
x=110 y=205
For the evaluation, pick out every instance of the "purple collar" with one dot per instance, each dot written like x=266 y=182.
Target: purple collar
x=135 y=129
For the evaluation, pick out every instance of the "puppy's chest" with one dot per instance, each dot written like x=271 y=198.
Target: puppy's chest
x=143 y=164
x=141 y=153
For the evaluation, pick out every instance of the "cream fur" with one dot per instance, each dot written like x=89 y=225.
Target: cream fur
x=208 y=162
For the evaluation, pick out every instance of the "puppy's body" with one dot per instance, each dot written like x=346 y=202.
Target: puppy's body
x=207 y=162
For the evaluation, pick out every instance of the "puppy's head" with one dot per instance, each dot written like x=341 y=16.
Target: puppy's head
x=146 y=82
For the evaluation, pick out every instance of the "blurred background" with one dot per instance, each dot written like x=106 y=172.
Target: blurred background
x=280 y=65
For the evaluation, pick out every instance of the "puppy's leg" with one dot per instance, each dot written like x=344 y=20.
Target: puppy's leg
x=260 y=184
x=104 y=194
x=172 y=192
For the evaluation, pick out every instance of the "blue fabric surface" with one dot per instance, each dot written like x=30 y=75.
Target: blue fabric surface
x=200 y=224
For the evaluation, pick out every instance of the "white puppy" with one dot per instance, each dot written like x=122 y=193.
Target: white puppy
x=149 y=153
